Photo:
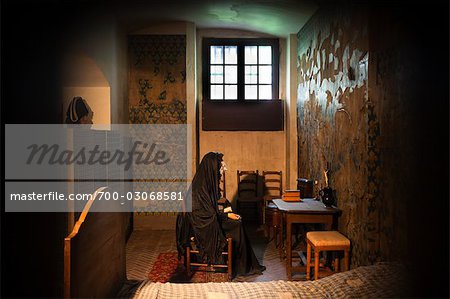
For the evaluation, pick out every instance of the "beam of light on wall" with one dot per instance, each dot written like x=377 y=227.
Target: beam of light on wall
x=82 y=77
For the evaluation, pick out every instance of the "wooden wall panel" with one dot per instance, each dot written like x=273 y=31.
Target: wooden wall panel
x=98 y=256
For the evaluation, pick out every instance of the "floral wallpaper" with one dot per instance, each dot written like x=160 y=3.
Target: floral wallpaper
x=157 y=88
x=157 y=79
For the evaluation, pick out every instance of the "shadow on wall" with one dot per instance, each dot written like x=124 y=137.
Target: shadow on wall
x=253 y=188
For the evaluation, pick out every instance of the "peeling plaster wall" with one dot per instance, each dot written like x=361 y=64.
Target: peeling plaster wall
x=372 y=107
x=335 y=123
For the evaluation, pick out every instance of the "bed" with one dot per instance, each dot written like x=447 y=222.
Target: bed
x=378 y=281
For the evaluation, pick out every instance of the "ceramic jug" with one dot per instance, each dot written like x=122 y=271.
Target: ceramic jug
x=327 y=196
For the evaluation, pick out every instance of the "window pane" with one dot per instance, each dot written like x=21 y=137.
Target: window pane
x=217 y=92
x=265 y=92
x=216 y=74
x=251 y=55
x=216 y=54
x=231 y=92
x=251 y=92
x=231 y=55
x=251 y=74
x=265 y=74
x=265 y=55
x=231 y=74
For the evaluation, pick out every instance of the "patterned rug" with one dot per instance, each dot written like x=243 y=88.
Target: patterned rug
x=167 y=268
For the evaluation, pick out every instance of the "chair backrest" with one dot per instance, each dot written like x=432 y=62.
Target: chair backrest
x=247 y=183
x=273 y=183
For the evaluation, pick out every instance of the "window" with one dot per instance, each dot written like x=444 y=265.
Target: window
x=240 y=69
x=240 y=85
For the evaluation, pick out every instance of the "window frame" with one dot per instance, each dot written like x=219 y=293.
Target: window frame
x=240 y=43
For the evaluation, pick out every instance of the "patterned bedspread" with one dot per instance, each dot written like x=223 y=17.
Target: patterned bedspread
x=378 y=281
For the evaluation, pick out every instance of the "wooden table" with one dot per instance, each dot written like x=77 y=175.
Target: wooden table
x=309 y=210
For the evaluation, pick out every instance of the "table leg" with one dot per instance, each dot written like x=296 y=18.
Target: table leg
x=308 y=260
x=336 y=264
x=329 y=225
x=288 y=248
x=281 y=245
x=346 y=263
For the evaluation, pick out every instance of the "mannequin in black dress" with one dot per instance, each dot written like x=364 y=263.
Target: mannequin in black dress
x=210 y=225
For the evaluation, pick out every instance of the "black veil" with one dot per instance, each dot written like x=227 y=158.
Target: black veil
x=203 y=222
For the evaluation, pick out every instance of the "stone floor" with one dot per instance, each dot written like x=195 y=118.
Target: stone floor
x=144 y=247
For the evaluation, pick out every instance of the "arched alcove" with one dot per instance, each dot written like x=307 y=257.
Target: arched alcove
x=81 y=76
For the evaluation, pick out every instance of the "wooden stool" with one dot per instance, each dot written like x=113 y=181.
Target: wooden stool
x=325 y=241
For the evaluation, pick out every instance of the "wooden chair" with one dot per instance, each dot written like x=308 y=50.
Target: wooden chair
x=248 y=200
x=190 y=250
x=273 y=188
x=325 y=241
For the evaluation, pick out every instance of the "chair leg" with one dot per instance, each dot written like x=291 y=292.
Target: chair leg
x=188 y=261
x=266 y=225
x=275 y=235
x=316 y=264
x=258 y=214
x=230 y=258
x=264 y=215
x=308 y=261
x=267 y=230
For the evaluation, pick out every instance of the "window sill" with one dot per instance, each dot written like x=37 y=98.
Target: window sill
x=267 y=115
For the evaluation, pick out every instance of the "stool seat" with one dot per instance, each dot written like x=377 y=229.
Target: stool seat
x=318 y=241
x=327 y=238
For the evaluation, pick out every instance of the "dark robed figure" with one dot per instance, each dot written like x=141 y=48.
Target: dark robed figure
x=210 y=226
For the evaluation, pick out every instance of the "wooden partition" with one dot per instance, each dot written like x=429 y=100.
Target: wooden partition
x=94 y=254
